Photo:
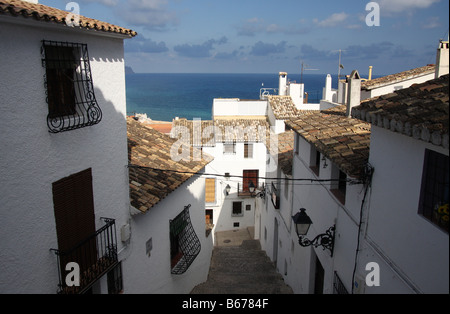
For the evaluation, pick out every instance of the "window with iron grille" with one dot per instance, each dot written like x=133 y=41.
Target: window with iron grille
x=237 y=209
x=69 y=88
x=184 y=243
x=433 y=204
x=275 y=196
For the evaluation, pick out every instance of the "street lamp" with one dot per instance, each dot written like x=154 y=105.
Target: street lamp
x=302 y=223
x=252 y=189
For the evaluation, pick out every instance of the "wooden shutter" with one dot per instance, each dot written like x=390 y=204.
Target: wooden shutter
x=250 y=175
x=210 y=190
x=248 y=150
x=73 y=203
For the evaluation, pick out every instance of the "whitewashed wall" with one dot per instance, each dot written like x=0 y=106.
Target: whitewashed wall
x=390 y=88
x=151 y=273
x=32 y=158
x=237 y=107
x=413 y=252
x=279 y=239
x=233 y=164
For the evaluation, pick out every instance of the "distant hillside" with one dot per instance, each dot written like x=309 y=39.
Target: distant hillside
x=128 y=70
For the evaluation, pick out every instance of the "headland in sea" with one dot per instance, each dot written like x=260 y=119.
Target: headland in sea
x=164 y=96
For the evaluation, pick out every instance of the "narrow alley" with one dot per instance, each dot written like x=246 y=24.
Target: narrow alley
x=239 y=266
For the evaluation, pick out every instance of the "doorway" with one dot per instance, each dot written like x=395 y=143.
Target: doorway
x=318 y=277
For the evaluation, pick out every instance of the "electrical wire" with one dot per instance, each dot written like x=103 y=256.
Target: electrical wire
x=367 y=179
x=241 y=177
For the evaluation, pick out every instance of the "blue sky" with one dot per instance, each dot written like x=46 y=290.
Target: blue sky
x=268 y=36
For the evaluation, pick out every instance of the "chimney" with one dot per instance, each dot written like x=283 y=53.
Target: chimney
x=354 y=92
x=283 y=84
x=327 y=89
x=442 y=59
x=370 y=73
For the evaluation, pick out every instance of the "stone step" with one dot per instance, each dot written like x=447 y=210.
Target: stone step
x=243 y=269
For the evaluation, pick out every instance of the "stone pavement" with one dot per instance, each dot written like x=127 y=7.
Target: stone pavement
x=239 y=266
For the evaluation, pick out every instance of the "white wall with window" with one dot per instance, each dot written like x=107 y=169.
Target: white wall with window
x=235 y=159
x=149 y=267
x=412 y=249
x=306 y=269
x=36 y=158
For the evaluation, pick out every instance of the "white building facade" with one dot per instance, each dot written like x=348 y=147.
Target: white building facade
x=370 y=183
x=407 y=226
x=168 y=249
x=48 y=151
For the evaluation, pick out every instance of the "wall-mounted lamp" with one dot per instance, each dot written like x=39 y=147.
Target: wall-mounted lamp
x=227 y=189
x=302 y=223
x=252 y=189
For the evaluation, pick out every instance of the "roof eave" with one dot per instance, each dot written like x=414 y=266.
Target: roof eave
x=33 y=21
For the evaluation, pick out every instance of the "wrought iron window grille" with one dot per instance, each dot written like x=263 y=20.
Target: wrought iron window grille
x=68 y=86
x=184 y=243
x=275 y=197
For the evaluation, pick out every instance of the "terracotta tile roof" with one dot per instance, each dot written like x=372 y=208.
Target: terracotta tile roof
x=45 y=13
x=420 y=111
x=397 y=77
x=184 y=129
x=150 y=148
x=345 y=141
x=220 y=127
x=339 y=110
x=282 y=106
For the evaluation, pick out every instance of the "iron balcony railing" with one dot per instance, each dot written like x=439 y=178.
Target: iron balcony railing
x=243 y=191
x=96 y=256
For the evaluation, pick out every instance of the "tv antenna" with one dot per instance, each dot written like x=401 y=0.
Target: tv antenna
x=340 y=66
x=304 y=68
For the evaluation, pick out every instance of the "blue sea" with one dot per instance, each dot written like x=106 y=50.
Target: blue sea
x=166 y=96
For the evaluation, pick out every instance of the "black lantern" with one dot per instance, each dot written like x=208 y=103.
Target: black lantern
x=251 y=187
x=302 y=223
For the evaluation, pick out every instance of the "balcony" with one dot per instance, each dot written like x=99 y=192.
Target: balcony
x=96 y=256
x=244 y=191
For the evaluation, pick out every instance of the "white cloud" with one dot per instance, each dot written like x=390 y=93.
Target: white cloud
x=109 y=3
x=432 y=22
x=334 y=20
x=254 y=26
x=397 y=6
x=152 y=14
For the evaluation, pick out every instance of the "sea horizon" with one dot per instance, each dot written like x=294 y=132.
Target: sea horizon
x=165 y=96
